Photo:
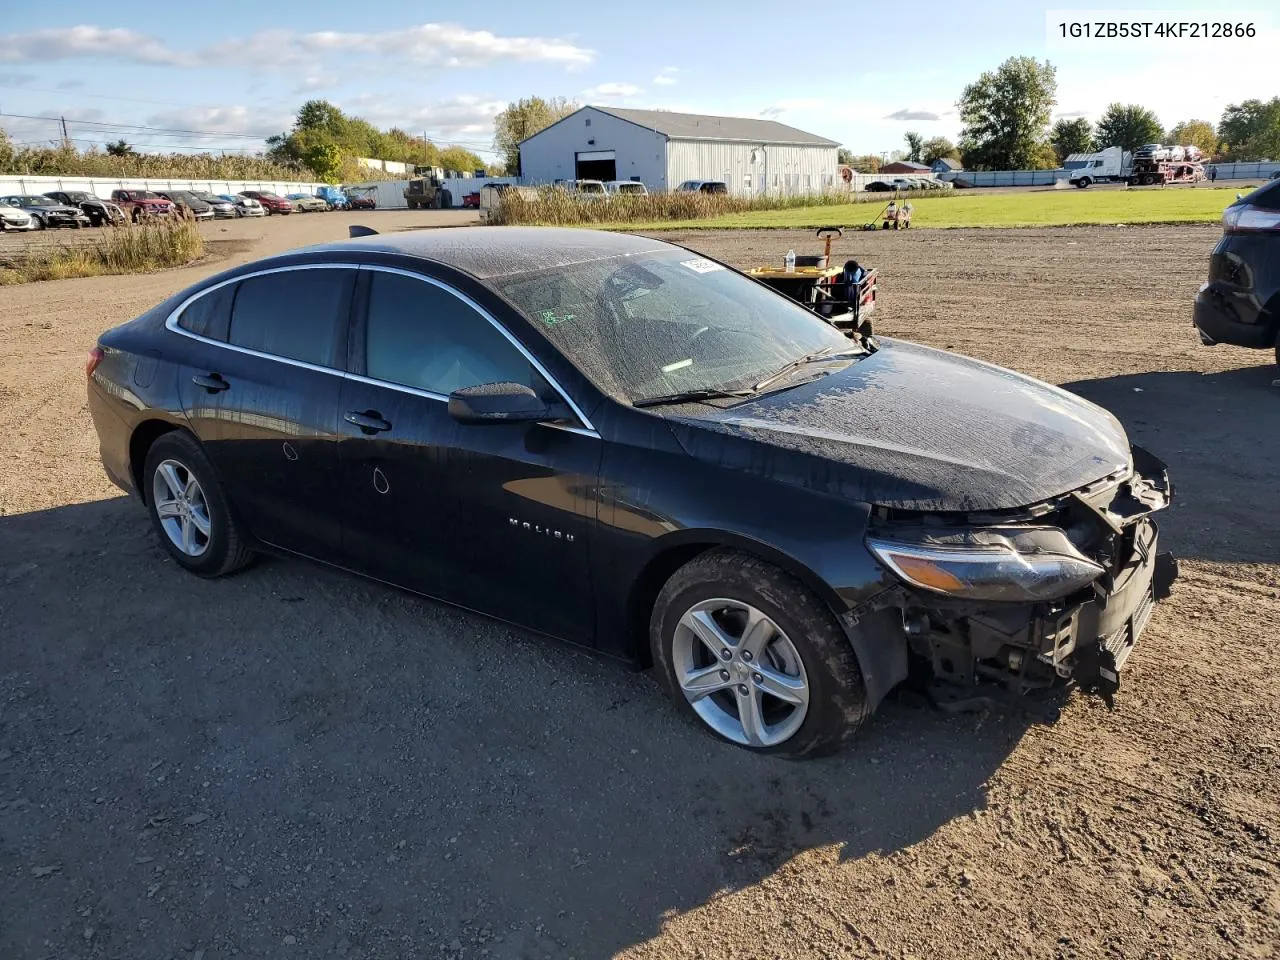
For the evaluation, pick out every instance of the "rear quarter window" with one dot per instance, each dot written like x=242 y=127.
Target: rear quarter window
x=1267 y=196
x=210 y=315
x=296 y=314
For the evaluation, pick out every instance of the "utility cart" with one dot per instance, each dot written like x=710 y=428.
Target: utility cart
x=845 y=296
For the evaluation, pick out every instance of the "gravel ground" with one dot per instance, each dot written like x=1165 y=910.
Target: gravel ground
x=295 y=762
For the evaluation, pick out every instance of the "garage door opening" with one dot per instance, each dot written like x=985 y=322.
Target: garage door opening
x=596 y=165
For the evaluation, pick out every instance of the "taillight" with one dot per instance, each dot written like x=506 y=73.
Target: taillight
x=91 y=363
x=1245 y=218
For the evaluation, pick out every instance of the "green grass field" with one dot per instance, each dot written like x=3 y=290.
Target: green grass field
x=976 y=208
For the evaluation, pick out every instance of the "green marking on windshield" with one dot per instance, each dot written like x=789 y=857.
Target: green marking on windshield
x=551 y=318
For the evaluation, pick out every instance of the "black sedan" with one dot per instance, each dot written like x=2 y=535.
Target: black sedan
x=100 y=212
x=46 y=212
x=1240 y=301
x=621 y=443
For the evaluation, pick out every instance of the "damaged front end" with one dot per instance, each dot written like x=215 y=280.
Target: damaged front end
x=1018 y=603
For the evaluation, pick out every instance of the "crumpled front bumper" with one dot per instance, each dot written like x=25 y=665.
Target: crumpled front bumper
x=980 y=652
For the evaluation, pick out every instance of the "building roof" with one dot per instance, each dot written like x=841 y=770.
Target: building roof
x=905 y=165
x=487 y=252
x=948 y=163
x=693 y=126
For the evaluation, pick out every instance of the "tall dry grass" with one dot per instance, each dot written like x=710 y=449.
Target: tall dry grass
x=136 y=248
x=555 y=207
x=69 y=162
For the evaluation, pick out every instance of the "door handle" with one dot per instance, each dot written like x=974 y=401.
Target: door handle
x=369 y=421
x=212 y=382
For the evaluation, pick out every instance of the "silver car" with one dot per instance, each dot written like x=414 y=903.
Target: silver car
x=11 y=218
x=245 y=206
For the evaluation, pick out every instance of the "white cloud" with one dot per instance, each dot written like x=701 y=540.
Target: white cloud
x=908 y=114
x=313 y=82
x=42 y=132
x=462 y=117
x=610 y=91
x=666 y=76
x=66 y=43
x=214 y=124
x=425 y=45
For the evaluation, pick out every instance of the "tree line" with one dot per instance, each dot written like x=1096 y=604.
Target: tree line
x=1005 y=116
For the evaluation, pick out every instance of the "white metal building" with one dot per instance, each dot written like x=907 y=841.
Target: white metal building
x=663 y=149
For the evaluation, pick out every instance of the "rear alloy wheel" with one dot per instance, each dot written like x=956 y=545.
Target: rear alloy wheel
x=756 y=657
x=189 y=510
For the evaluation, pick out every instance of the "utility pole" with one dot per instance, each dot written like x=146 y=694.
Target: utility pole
x=66 y=141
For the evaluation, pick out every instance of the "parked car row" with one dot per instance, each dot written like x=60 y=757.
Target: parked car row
x=908 y=183
x=76 y=208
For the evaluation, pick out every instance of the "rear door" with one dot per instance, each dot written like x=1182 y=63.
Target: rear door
x=274 y=390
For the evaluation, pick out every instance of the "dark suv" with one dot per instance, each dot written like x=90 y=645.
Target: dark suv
x=1240 y=302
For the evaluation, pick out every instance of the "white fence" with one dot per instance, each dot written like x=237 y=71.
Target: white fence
x=1045 y=178
x=11 y=184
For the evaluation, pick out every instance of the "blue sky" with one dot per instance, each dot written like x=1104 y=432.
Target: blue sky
x=237 y=72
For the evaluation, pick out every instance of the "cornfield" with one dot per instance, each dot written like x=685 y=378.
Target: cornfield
x=68 y=162
x=124 y=249
x=552 y=206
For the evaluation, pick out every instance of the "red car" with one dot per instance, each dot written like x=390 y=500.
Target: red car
x=364 y=202
x=472 y=200
x=142 y=204
x=271 y=202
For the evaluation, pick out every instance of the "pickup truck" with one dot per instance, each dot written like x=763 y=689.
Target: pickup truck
x=142 y=204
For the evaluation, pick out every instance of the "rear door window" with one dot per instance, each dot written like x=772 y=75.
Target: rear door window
x=210 y=315
x=421 y=335
x=295 y=314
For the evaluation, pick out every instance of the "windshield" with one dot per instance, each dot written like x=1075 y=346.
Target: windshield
x=586 y=187
x=631 y=188
x=37 y=202
x=647 y=327
x=1075 y=164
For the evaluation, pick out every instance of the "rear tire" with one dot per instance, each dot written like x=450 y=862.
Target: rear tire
x=800 y=650
x=189 y=509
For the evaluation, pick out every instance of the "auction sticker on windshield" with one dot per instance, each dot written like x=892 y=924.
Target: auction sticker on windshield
x=701 y=265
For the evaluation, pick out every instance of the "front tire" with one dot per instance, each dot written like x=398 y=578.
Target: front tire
x=39 y=221
x=189 y=509
x=756 y=658
x=1083 y=183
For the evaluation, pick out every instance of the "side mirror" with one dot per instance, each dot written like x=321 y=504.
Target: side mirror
x=498 y=403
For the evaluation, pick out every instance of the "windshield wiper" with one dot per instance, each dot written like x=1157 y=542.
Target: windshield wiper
x=691 y=396
x=824 y=354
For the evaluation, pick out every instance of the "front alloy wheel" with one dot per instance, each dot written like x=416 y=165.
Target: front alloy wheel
x=756 y=657
x=740 y=672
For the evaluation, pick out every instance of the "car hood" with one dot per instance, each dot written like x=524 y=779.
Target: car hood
x=55 y=208
x=914 y=428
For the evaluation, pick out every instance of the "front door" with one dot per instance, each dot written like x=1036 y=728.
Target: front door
x=496 y=518
x=277 y=384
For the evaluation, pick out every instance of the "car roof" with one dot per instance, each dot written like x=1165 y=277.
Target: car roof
x=488 y=252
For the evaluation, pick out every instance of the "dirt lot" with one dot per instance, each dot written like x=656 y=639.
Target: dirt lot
x=294 y=762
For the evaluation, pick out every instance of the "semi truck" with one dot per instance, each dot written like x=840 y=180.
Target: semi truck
x=1112 y=165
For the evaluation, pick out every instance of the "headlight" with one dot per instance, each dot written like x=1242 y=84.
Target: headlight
x=1017 y=565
